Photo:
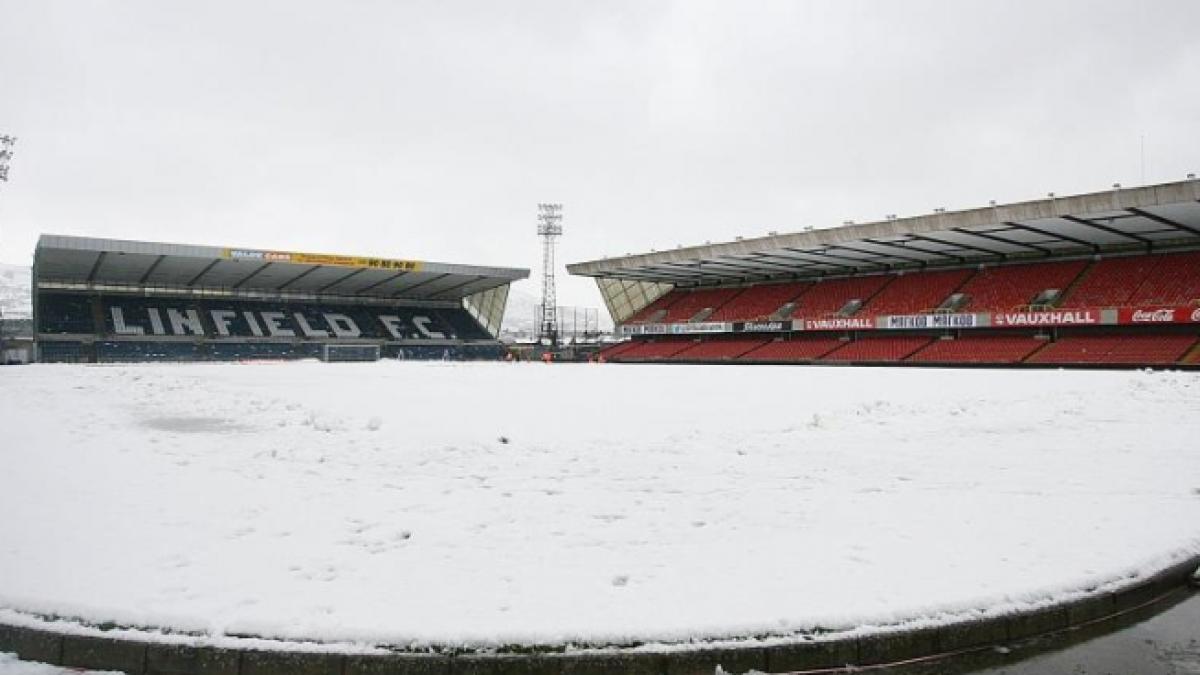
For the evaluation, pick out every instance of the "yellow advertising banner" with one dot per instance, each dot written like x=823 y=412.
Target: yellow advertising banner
x=323 y=259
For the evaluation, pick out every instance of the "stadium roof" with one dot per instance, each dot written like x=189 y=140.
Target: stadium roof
x=114 y=262
x=1150 y=218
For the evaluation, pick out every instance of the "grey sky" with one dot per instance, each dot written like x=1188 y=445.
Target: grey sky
x=431 y=129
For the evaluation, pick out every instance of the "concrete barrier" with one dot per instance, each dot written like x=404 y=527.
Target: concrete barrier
x=164 y=659
x=817 y=653
x=98 y=653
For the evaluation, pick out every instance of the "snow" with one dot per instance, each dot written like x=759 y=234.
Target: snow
x=9 y=665
x=377 y=504
x=519 y=312
x=15 y=300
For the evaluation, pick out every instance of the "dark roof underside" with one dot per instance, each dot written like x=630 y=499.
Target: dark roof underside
x=114 y=263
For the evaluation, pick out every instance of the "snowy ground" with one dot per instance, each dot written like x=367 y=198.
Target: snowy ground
x=407 y=503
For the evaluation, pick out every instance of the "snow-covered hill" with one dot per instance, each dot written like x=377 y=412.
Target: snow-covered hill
x=518 y=314
x=14 y=292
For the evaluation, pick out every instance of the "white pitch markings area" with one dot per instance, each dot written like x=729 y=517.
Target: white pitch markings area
x=490 y=504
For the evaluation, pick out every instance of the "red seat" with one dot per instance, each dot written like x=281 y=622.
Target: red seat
x=721 y=349
x=879 y=348
x=1175 y=280
x=1110 y=282
x=796 y=348
x=1117 y=347
x=691 y=303
x=1002 y=289
x=617 y=349
x=647 y=350
x=663 y=302
x=827 y=297
x=916 y=292
x=758 y=302
x=979 y=349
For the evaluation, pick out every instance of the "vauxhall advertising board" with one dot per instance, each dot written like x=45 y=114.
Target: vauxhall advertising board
x=1075 y=317
x=837 y=323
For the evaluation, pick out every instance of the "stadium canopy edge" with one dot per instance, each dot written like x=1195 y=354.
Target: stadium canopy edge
x=1121 y=220
x=84 y=262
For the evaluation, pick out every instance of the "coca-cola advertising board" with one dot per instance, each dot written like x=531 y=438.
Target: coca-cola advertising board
x=1152 y=315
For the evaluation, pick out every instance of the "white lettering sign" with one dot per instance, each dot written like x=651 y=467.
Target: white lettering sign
x=342 y=325
x=272 y=320
x=221 y=319
x=308 y=330
x=119 y=326
x=183 y=323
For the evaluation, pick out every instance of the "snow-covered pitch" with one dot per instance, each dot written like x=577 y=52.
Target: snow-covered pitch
x=418 y=503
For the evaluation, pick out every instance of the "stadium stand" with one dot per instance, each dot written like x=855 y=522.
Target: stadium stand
x=615 y=350
x=118 y=352
x=794 y=348
x=116 y=301
x=979 y=349
x=917 y=292
x=720 y=349
x=262 y=319
x=652 y=350
x=1192 y=357
x=879 y=348
x=63 y=352
x=434 y=352
x=692 y=305
x=1150 y=348
x=655 y=311
x=1141 y=280
x=828 y=297
x=1117 y=347
x=1110 y=282
x=1091 y=348
x=758 y=303
x=65 y=314
x=1002 y=289
x=262 y=351
x=1175 y=280
x=1109 y=278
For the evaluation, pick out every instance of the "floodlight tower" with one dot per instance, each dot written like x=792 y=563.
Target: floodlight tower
x=549 y=228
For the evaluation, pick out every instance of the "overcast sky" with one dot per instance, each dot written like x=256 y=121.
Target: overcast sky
x=431 y=130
